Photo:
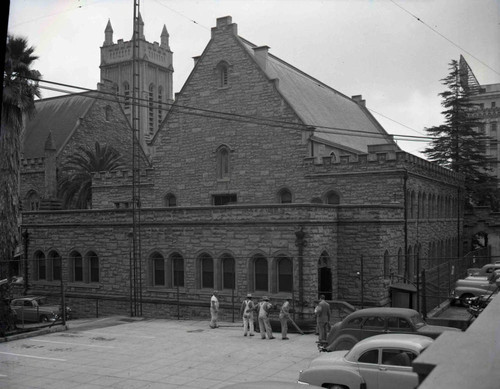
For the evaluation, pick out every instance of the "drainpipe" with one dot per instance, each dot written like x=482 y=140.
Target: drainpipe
x=301 y=243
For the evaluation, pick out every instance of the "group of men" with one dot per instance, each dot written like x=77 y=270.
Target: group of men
x=263 y=309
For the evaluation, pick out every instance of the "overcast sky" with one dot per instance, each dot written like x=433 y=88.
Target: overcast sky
x=376 y=48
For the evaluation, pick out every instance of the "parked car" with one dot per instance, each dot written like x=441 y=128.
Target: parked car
x=484 y=271
x=374 y=321
x=470 y=287
x=36 y=309
x=378 y=362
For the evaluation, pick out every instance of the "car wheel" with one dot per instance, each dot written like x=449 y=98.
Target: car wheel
x=44 y=319
x=464 y=297
x=344 y=343
x=336 y=386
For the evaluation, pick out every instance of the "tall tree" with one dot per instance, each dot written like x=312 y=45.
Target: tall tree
x=19 y=92
x=76 y=183
x=460 y=143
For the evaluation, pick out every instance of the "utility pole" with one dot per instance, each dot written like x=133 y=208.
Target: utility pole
x=136 y=202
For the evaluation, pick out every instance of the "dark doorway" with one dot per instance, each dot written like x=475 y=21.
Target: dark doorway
x=324 y=277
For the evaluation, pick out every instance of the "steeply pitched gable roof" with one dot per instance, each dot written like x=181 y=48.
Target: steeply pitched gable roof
x=319 y=105
x=57 y=115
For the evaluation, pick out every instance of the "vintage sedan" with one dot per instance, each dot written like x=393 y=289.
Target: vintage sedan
x=374 y=321
x=36 y=309
x=381 y=361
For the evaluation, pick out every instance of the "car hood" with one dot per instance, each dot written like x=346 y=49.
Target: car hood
x=328 y=358
x=430 y=329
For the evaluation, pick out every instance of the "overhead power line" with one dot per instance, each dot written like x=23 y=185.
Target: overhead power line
x=444 y=37
x=146 y=103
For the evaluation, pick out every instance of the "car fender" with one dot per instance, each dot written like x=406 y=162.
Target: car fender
x=341 y=375
x=342 y=338
x=476 y=291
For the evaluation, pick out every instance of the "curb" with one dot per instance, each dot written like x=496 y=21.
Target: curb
x=30 y=334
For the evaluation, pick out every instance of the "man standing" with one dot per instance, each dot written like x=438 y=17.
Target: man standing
x=214 y=310
x=323 y=318
x=264 y=323
x=246 y=311
x=284 y=316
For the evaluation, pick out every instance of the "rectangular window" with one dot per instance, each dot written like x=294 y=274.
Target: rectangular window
x=493 y=104
x=224 y=199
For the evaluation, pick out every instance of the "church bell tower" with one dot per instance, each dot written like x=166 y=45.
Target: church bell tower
x=155 y=77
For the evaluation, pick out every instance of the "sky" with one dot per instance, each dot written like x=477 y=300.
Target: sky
x=392 y=52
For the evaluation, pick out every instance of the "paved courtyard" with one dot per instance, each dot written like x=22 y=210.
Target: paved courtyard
x=125 y=353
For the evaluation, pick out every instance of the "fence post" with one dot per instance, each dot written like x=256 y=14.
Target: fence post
x=232 y=300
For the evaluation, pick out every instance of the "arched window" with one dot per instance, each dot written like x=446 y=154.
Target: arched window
x=261 y=273
x=126 y=95
x=160 y=105
x=223 y=75
x=76 y=264
x=207 y=271
x=177 y=270
x=55 y=262
x=285 y=274
x=285 y=196
x=40 y=266
x=387 y=264
x=151 y=118
x=170 y=200
x=228 y=272
x=222 y=162
x=158 y=269
x=32 y=202
x=93 y=267
x=333 y=157
x=332 y=198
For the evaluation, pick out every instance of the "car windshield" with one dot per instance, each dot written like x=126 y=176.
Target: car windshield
x=417 y=321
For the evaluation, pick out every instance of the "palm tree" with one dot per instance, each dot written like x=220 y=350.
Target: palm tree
x=19 y=91
x=76 y=184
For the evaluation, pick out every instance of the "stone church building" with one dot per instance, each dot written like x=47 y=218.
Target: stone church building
x=260 y=179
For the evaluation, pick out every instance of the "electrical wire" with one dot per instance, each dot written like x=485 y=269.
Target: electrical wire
x=232 y=116
x=444 y=37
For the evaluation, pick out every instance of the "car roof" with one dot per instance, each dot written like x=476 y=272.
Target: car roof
x=383 y=311
x=28 y=298
x=415 y=343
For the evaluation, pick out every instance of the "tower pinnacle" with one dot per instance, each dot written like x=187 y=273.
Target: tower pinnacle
x=164 y=38
x=108 y=34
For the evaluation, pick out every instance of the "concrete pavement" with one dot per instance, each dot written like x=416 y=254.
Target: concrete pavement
x=120 y=352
